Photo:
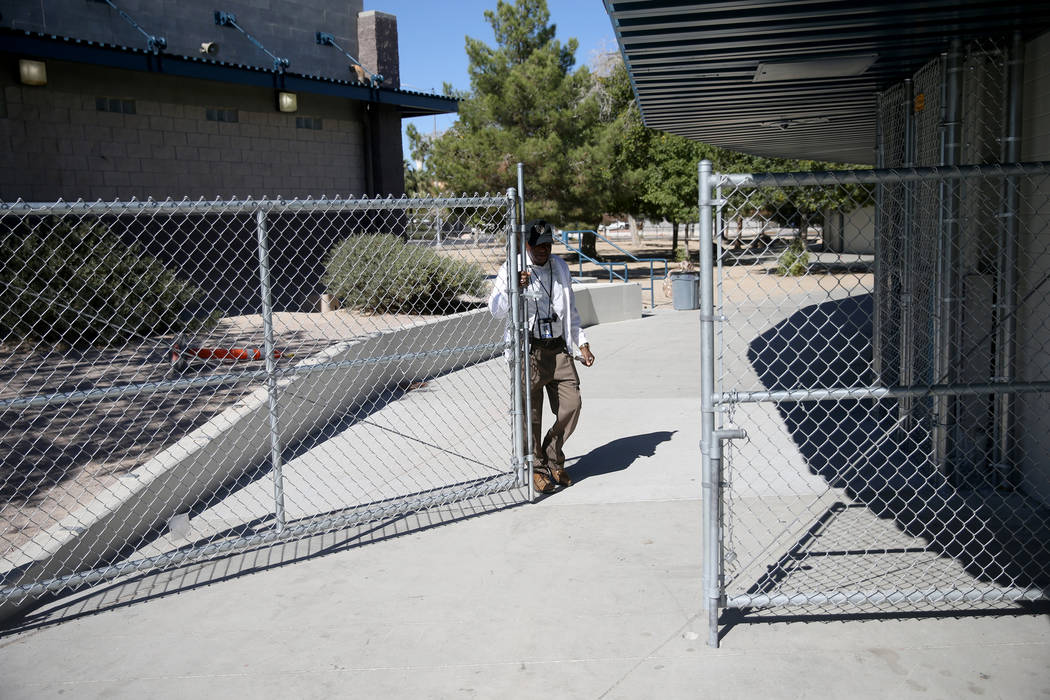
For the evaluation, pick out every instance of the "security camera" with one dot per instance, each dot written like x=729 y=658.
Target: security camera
x=209 y=48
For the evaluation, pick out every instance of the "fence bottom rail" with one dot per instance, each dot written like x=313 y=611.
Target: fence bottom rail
x=928 y=595
x=310 y=526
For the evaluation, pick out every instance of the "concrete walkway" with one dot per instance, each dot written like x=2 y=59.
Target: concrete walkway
x=591 y=593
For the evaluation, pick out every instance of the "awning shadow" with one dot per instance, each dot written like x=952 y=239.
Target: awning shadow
x=861 y=447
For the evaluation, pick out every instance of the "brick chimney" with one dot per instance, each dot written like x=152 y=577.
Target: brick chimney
x=377 y=45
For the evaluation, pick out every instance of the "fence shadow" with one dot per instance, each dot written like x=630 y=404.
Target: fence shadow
x=859 y=446
x=93 y=599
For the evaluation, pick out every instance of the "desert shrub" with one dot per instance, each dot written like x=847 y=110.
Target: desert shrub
x=794 y=261
x=383 y=274
x=82 y=286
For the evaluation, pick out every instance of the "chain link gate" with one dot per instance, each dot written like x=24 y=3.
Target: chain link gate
x=875 y=369
x=178 y=380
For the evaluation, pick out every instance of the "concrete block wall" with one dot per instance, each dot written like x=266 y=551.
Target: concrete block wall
x=287 y=28
x=58 y=144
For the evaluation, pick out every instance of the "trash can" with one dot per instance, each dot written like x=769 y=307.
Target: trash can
x=685 y=290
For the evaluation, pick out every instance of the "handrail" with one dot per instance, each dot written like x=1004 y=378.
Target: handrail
x=580 y=256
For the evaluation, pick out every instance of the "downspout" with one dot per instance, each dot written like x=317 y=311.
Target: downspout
x=906 y=374
x=880 y=249
x=1004 y=459
x=947 y=327
x=370 y=183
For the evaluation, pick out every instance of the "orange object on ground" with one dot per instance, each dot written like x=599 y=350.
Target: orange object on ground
x=179 y=354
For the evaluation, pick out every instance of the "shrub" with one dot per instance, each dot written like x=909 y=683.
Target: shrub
x=794 y=261
x=83 y=286
x=681 y=254
x=383 y=274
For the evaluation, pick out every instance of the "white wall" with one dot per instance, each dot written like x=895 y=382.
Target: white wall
x=850 y=232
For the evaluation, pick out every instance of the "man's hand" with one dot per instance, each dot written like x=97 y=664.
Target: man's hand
x=523 y=279
x=588 y=356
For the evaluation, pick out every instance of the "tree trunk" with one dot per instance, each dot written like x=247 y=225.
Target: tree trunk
x=803 y=230
x=588 y=244
x=636 y=234
x=674 y=238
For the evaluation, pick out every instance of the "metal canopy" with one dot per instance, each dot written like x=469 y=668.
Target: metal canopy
x=32 y=44
x=819 y=65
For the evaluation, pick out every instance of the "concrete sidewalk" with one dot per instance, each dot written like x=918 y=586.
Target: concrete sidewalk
x=593 y=592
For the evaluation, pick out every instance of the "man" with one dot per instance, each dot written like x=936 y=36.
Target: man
x=555 y=338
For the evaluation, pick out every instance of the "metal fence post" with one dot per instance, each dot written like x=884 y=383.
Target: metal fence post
x=513 y=292
x=271 y=368
x=523 y=332
x=709 y=479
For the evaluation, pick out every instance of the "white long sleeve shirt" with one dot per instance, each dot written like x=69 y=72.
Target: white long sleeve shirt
x=552 y=283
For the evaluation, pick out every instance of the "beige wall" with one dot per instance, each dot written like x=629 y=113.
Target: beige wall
x=55 y=143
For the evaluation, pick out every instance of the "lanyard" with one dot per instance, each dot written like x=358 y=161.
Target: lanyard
x=549 y=292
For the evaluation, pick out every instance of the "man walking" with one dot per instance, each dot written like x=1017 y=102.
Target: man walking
x=555 y=339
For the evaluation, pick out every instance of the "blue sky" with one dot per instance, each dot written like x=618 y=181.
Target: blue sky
x=431 y=39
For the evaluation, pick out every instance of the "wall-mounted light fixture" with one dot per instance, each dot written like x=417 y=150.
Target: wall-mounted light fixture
x=32 y=72
x=209 y=48
x=287 y=102
x=814 y=69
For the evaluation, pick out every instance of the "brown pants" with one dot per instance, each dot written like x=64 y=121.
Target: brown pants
x=552 y=368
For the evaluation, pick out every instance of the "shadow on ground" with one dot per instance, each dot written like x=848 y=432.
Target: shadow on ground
x=140 y=588
x=618 y=455
x=998 y=536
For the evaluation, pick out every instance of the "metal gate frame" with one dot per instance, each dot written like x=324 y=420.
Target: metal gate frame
x=22 y=585
x=715 y=401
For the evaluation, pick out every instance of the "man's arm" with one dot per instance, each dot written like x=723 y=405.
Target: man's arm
x=578 y=336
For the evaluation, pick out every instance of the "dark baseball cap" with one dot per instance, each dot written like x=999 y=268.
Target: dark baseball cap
x=539 y=232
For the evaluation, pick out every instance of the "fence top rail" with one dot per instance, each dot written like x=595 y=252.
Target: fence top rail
x=873 y=176
x=202 y=206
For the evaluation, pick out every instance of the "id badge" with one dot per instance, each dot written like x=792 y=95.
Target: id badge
x=546 y=331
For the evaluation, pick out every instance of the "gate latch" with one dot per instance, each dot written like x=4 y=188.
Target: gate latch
x=725 y=434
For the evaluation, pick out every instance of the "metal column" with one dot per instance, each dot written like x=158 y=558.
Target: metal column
x=271 y=369
x=1005 y=405
x=907 y=313
x=947 y=324
x=712 y=592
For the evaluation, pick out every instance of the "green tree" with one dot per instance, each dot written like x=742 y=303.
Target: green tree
x=528 y=104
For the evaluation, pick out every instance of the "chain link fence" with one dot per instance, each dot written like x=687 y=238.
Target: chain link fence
x=868 y=479
x=182 y=379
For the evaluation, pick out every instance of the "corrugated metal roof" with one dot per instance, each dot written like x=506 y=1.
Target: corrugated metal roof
x=693 y=65
x=49 y=46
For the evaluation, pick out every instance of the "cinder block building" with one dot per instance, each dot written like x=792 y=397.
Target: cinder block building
x=138 y=98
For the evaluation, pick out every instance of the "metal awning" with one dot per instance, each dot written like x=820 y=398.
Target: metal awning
x=35 y=45
x=791 y=79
